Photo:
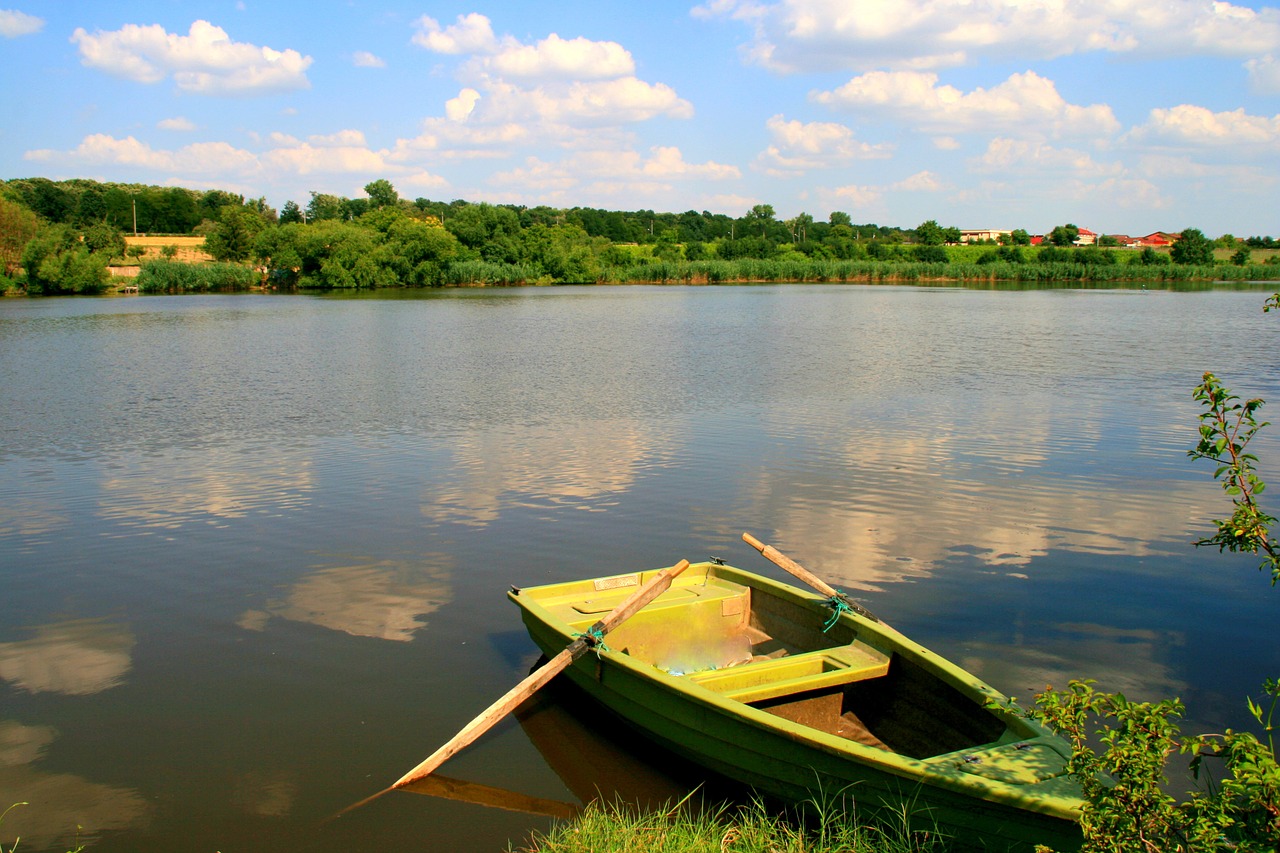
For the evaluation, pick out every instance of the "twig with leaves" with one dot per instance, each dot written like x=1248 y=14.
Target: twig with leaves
x=1226 y=427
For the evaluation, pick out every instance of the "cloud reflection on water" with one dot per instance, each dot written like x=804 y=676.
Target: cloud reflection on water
x=168 y=491
x=1128 y=661
x=588 y=465
x=77 y=657
x=383 y=599
x=883 y=507
x=65 y=810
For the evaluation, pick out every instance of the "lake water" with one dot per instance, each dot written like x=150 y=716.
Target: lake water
x=254 y=549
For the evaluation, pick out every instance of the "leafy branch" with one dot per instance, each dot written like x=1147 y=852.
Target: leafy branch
x=1226 y=427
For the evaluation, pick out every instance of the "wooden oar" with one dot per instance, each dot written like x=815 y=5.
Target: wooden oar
x=775 y=556
x=539 y=677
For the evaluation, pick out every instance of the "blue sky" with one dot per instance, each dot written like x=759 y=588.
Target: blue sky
x=1116 y=115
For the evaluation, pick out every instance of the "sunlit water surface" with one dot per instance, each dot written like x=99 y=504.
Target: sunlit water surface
x=254 y=549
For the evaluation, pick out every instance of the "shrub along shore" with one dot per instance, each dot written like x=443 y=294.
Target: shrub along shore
x=163 y=276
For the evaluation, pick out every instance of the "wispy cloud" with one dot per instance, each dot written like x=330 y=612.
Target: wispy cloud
x=14 y=23
x=178 y=123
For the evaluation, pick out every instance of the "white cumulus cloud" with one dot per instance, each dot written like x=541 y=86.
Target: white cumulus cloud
x=472 y=34
x=365 y=59
x=201 y=158
x=1193 y=126
x=556 y=88
x=1024 y=103
x=14 y=23
x=205 y=61
x=818 y=35
x=799 y=147
x=557 y=58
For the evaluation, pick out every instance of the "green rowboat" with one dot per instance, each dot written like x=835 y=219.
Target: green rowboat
x=766 y=684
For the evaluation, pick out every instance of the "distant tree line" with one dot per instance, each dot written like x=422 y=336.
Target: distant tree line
x=62 y=234
x=159 y=210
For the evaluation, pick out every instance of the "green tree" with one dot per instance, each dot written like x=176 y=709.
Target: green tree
x=416 y=253
x=1064 y=235
x=91 y=206
x=930 y=233
x=1192 y=247
x=760 y=216
x=104 y=240
x=1241 y=256
x=324 y=206
x=799 y=227
x=290 y=213
x=840 y=218
x=381 y=194
x=56 y=262
x=232 y=238
x=17 y=226
x=1020 y=237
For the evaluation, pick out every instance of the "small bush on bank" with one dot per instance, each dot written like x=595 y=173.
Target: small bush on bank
x=163 y=276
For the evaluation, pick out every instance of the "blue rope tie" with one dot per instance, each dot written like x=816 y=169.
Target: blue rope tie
x=838 y=605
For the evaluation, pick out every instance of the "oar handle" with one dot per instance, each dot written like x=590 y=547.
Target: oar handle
x=539 y=677
x=782 y=560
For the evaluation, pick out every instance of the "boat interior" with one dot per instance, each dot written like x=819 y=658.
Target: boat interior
x=769 y=650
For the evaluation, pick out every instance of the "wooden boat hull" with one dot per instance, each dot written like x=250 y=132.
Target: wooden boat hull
x=735 y=672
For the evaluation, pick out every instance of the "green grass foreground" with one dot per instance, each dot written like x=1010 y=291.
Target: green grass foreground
x=625 y=828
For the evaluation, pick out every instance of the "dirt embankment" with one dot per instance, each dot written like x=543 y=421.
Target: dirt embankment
x=186 y=249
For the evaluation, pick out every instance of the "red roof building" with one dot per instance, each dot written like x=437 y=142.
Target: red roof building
x=1156 y=239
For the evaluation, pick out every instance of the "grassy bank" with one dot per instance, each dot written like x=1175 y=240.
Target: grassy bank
x=750 y=829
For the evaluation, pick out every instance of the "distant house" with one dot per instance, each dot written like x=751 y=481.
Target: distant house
x=979 y=235
x=1156 y=240
x=1120 y=239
